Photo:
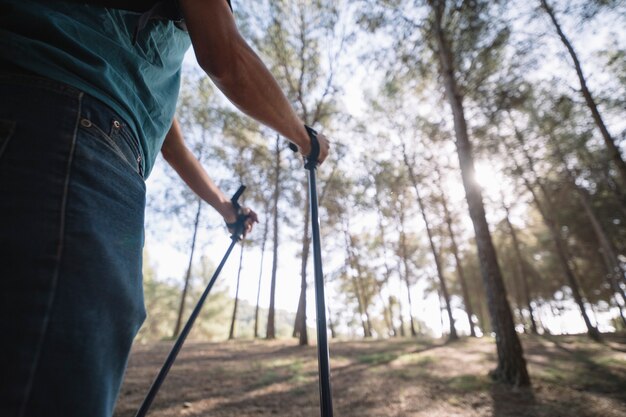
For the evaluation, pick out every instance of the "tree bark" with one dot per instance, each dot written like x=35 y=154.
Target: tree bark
x=457 y=260
x=358 y=291
x=183 y=297
x=511 y=366
x=402 y=331
x=392 y=318
x=258 y=291
x=609 y=142
x=442 y=308
x=563 y=257
x=388 y=315
x=617 y=193
x=521 y=267
x=614 y=285
x=561 y=249
x=331 y=324
x=429 y=233
x=271 y=331
x=299 y=328
x=231 y=333
x=614 y=268
x=405 y=263
x=485 y=325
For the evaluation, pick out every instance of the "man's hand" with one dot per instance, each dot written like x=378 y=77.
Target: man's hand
x=251 y=218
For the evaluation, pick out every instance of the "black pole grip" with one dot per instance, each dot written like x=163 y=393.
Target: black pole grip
x=234 y=199
x=237 y=228
x=313 y=156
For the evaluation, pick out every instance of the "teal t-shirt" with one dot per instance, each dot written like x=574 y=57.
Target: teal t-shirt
x=91 y=48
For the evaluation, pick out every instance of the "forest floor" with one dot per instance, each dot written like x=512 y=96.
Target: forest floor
x=571 y=377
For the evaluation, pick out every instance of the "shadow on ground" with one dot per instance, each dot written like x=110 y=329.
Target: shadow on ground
x=406 y=377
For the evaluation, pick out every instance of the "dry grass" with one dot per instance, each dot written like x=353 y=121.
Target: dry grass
x=571 y=375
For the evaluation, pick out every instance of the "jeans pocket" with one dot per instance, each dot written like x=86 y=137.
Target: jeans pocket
x=124 y=139
x=120 y=144
x=7 y=127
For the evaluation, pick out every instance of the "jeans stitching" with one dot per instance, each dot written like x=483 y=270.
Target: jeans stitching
x=94 y=130
x=55 y=275
x=131 y=140
x=133 y=144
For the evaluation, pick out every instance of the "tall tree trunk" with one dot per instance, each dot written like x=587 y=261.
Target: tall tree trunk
x=516 y=297
x=556 y=313
x=614 y=269
x=183 y=297
x=429 y=233
x=408 y=292
x=271 y=331
x=442 y=308
x=540 y=312
x=331 y=323
x=563 y=257
x=457 y=259
x=560 y=246
x=231 y=333
x=392 y=317
x=511 y=366
x=299 y=328
x=620 y=309
x=614 y=285
x=388 y=315
x=521 y=267
x=594 y=312
x=609 y=142
x=613 y=265
x=405 y=263
x=617 y=193
x=482 y=315
x=608 y=249
x=258 y=291
x=534 y=282
x=353 y=261
x=402 y=331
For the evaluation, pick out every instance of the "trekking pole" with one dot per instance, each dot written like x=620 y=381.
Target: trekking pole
x=326 y=401
x=237 y=232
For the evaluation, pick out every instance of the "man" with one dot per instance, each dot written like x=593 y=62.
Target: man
x=86 y=103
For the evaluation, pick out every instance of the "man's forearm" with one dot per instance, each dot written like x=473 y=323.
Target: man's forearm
x=255 y=92
x=193 y=174
x=237 y=71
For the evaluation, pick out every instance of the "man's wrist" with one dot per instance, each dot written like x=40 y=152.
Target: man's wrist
x=304 y=142
x=227 y=211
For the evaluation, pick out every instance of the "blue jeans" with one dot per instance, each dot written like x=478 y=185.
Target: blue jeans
x=72 y=202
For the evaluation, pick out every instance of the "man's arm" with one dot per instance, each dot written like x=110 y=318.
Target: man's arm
x=191 y=171
x=239 y=73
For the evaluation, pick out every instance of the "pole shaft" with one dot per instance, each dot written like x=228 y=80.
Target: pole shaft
x=326 y=403
x=154 y=389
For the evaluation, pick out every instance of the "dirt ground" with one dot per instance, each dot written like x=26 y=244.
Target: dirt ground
x=572 y=377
